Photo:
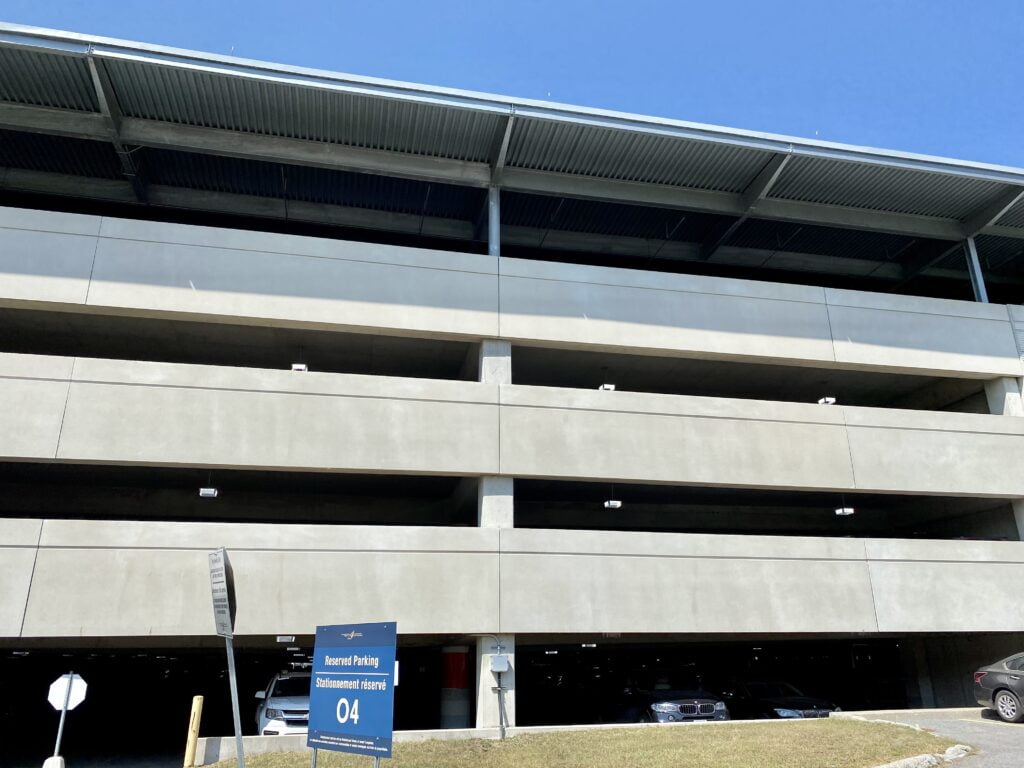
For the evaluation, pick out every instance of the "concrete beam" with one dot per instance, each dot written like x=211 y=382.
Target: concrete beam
x=215 y=141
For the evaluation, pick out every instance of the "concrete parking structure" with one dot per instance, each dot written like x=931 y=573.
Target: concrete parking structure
x=586 y=389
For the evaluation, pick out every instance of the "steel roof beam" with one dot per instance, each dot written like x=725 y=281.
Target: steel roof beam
x=111 y=113
x=501 y=144
x=755 y=192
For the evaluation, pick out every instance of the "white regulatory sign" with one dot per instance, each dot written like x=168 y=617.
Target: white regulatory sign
x=221 y=587
x=59 y=690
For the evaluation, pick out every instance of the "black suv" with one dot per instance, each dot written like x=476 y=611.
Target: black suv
x=669 y=696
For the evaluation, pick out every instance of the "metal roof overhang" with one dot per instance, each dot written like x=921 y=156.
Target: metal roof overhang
x=135 y=95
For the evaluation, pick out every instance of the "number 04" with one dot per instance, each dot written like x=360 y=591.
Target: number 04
x=345 y=712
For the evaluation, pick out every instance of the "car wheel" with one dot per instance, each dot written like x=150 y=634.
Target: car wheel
x=1008 y=707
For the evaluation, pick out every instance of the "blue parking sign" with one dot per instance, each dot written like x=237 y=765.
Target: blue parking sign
x=352 y=689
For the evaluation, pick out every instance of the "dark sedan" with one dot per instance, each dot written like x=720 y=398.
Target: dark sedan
x=1000 y=686
x=774 y=699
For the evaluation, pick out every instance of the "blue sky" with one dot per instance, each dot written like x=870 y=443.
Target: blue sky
x=931 y=76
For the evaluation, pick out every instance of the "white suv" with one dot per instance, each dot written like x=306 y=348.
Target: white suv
x=284 y=705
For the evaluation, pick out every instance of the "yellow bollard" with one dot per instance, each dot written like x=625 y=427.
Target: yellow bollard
x=193 y=731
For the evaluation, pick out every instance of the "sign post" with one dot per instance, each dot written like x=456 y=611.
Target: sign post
x=222 y=586
x=352 y=690
x=66 y=693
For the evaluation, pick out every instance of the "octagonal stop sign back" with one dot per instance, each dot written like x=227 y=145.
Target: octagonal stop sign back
x=59 y=688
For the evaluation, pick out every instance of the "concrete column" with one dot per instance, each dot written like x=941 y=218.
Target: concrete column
x=1004 y=398
x=488 y=703
x=919 y=651
x=495 y=361
x=496 y=503
x=1018 y=515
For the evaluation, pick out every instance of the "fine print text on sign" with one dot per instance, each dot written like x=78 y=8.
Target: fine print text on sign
x=223 y=590
x=352 y=689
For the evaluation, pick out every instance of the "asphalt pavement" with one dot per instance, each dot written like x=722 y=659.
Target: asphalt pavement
x=997 y=744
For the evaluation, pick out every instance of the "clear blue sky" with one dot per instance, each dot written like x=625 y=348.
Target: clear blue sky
x=933 y=76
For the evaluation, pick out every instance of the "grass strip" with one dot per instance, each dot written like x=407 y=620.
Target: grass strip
x=823 y=743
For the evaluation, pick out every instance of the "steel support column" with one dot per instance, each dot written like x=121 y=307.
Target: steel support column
x=493 y=221
x=974 y=270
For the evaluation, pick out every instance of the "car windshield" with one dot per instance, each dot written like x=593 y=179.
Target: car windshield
x=291 y=686
x=668 y=680
x=772 y=690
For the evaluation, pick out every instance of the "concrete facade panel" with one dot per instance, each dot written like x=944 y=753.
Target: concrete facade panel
x=15 y=580
x=948 y=596
x=562 y=441
x=917 y=334
x=611 y=308
x=119 y=592
x=261 y=286
x=182 y=425
x=101 y=578
x=425 y=593
x=936 y=461
x=45 y=267
x=682 y=594
x=33 y=390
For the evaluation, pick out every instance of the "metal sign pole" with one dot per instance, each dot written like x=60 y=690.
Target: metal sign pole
x=63 y=714
x=312 y=761
x=376 y=762
x=234 y=702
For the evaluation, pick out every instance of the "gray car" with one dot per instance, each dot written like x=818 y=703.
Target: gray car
x=1000 y=686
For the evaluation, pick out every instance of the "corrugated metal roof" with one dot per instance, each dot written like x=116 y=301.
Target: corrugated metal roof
x=46 y=80
x=159 y=92
x=833 y=182
x=628 y=156
x=57 y=154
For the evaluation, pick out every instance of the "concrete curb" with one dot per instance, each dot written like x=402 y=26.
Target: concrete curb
x=955 y=752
